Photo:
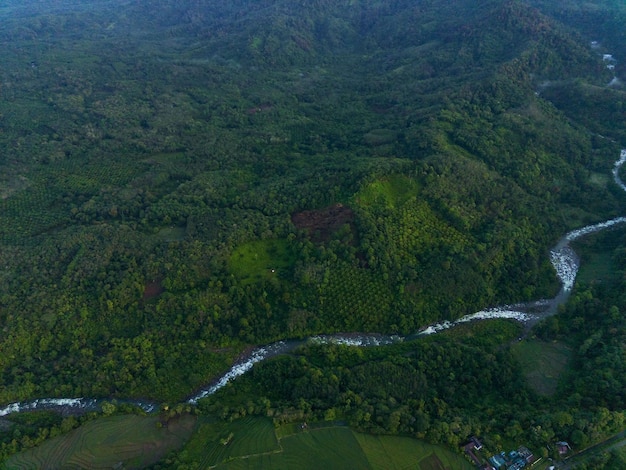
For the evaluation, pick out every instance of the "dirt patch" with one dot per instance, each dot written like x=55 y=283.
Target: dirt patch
x=259 y=109
x=152 y=289
x=323 y=223
x=432 y=462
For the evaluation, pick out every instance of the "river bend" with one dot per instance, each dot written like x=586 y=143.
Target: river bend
x=564 y=259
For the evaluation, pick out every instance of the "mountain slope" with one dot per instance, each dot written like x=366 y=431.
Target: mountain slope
x=159 y=159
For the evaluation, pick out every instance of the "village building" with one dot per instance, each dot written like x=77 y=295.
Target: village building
x=563 y=447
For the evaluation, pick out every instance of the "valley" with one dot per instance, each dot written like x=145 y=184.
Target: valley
x=182 y=183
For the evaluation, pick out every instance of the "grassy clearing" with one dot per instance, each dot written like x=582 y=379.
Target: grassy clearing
x=542 y=363
x=392 y=191
x=262 y=259
x=171 y=234
x=251 y=435
x=597 y=253
x=134 y=441
x=495 y=332
x=599 y=267
x=391 y=452
x=599 y=179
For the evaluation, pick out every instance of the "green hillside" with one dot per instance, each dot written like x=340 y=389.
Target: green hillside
x=181 y=181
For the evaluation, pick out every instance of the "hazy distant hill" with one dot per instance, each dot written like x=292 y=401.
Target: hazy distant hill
x=464 y=35
x=597 y=20
x=279 y=33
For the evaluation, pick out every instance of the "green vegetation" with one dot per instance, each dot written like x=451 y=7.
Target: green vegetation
x=389 y=192
x=260 y=260
x=148 y=201
x=542 y=363
x=254 y=443
x=608 y=454
x=215 y=442
x=436 y=387
x=180 y=181
x=599 y=264
x=130 y=439
x=386 y=452
x=333 y=447
x=613 y=459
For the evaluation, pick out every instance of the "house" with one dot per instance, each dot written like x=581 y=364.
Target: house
x=469 y=450
x=470 y=447
x=526 y=454
x=477 y=444
x=497 y=461
x=563 y=447
x=514 y=459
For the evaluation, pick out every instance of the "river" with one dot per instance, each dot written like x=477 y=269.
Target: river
x=564 y=259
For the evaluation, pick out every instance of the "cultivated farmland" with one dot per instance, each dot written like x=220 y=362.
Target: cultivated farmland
x=253 y=443
x=130 y=440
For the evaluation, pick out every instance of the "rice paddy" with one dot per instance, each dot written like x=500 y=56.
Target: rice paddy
x=123 y=441
x=254 y=443
x=216 y=441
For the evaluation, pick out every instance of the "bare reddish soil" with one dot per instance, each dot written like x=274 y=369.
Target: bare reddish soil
x=152 y=289
x=321 y=224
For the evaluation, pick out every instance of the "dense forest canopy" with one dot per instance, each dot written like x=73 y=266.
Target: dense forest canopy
x=147 y=174
x=181 y=180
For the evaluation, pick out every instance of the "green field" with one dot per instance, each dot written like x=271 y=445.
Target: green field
x=129 y=440
x=597 y=268
x=262 y=259
x=217 y=441
x=253 y=443
x=542 y=363
x=391 y=452
x=392 y=191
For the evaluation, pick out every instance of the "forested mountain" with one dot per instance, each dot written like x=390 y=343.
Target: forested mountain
x=590 y=19
x=149 y=152
x=180 y=180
